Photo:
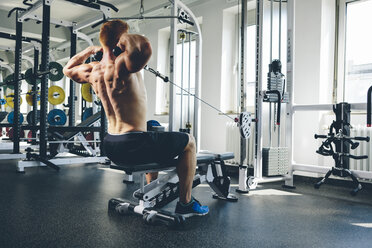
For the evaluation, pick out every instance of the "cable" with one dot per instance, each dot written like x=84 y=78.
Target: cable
x=166 y=79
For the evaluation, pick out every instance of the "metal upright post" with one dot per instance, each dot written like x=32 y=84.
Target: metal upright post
x=34 y=91
x=172 y=66
x=243 y=168
x=243 y=51
x=290 y=78
x=17 y=85
x=71 y=99
x=44 y=79
x=103 y=130
x=258 y=103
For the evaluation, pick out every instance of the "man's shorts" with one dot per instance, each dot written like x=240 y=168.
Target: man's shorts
x=144 y=147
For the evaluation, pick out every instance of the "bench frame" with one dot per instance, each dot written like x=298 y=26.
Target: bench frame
x=165 y=189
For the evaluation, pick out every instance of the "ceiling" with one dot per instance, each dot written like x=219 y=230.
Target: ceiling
x=67 y=11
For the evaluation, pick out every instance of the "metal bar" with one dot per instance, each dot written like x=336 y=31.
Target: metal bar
x=181 y=102
x=103 y=130
x=91 y=4
x=34 y=89
x=198 y=73
x=243 y=74
x=326 y=107
x=17 y=85
x=71 y=99
x=44 y=78
x=189 y=81
x=173 y=68
x=52 y=21
x=290 y=89
x=258 y=104
x=14 y=37
x=26 y=14
x=325 y=169
x=87 y=23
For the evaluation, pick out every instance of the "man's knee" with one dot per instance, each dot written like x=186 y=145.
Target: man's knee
x=191 y=144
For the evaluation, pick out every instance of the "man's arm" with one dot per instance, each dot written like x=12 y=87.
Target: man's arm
x=137 y=52
x=76 y=69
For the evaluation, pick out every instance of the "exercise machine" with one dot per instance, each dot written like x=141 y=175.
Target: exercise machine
x=165 y=189
x=338 y=144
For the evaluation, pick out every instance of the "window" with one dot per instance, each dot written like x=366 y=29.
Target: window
x=358 y=51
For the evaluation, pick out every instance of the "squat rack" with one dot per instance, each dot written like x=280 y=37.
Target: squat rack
x=26 y=14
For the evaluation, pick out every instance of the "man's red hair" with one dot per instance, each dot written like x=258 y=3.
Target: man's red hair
x=111 y=31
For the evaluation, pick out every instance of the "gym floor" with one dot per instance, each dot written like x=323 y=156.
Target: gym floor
x=43 y=208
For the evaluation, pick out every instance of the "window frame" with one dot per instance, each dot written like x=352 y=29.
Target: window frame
x=340 y=65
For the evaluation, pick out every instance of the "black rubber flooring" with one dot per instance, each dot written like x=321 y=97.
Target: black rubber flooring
x=43 y=208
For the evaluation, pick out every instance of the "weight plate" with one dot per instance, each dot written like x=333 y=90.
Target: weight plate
x=30 y=77
x=9 y=78
x=10 y=100
x=29 y=117
x=10 y=134
x=87 y=113
x=29 y=96
x=3 y=114
x=11 y=118
x=56 y=71
x=86 y=92
x=57 y=117
x=56 y=95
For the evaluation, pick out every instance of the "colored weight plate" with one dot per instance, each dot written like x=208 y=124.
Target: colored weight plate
x=87 y=113
x=3 y=114
x=56 y=71
x=11 y=117
x=56 y=95
x=10 y=134
x=29 y=97
x=2 y=101
x=30 y=116
x=29 y=135
x=86 y=92
x=9 y=78
x=10 y=100
x=30 y=78
x=57 y=117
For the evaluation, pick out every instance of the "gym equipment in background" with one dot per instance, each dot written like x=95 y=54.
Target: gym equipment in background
x=87 y=113
x=86 y=92
x=11 y=117
x=244 y=124
x=57 y=117
x=30 y=116
x=337 y=144
x=56 y=95
x=10 y=100
x=165 y=189
x=29 y=97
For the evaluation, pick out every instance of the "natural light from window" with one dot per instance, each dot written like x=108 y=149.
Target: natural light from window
x=358 y=57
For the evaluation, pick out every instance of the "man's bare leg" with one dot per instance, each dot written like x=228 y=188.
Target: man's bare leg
x=151 y=176
x=186 y=170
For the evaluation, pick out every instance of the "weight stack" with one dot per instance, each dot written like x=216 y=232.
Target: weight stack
x=275 y=161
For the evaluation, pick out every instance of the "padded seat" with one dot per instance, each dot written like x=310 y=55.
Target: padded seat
x=130 y=168
x=220 y=156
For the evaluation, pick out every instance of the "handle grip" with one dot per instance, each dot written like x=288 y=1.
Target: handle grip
x=362 y=138
x=317 y=136
x=356 y=157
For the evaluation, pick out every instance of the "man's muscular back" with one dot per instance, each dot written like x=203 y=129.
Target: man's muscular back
x=116 y=80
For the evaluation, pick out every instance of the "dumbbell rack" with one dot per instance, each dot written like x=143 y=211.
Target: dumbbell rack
x=339 y=137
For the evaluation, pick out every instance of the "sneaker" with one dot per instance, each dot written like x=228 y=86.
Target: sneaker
x=191 y=209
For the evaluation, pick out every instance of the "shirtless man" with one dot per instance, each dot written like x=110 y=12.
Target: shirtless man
x=118 y=83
